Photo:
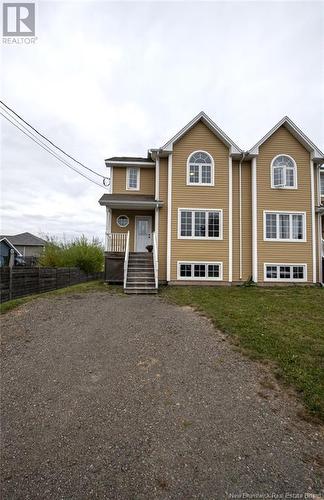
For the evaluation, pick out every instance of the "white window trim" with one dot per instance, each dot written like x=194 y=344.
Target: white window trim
x=284 y=280
x=219 y=210
x=285 y=212
x=198 y=278
x=295 y=186
x=122 y=215
x=321 y=175
x=138 y=179
x=212 y=183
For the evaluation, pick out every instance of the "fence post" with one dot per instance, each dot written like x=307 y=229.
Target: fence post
x=11 y=263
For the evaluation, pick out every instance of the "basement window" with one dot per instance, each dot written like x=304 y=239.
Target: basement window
x=285 y=272
x=200 y=271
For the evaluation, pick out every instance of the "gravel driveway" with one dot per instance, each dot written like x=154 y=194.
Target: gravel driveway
x=109 y=396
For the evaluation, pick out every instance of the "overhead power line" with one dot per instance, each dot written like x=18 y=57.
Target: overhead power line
x=46 y=148
x=50 y=141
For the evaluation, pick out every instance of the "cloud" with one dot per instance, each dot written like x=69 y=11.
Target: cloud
x=109 y=78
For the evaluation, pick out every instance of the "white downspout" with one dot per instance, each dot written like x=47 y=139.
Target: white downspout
x=254 y=223
x=313 y=220
x=240 y=214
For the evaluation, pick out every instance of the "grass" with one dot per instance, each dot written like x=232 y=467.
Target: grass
x=282 y=325
x=90 y=286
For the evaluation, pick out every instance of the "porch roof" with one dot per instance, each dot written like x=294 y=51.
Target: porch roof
x=130 y=201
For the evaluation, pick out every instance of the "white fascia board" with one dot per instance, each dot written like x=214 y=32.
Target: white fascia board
x=133 y=204
x=12 y=246
x=234 y=149
x=296 y=132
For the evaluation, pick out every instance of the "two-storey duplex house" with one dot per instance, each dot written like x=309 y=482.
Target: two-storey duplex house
x=210 y=213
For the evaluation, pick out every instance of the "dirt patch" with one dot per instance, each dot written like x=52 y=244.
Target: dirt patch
x=131 y=397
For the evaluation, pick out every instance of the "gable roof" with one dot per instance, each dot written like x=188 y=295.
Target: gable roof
x=25 y=239
x=234 y=149
x=296 y=132
x=3 y=238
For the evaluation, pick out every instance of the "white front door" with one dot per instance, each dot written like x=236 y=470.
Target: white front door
x=143 y=232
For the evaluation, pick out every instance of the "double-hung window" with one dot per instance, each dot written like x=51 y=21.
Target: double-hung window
x=322 y=182
x=284 y=226
x=133 y=179
x=196 y=223
x=283 y=172
x=200 y=169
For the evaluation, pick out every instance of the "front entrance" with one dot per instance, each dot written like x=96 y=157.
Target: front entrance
x=143 y=232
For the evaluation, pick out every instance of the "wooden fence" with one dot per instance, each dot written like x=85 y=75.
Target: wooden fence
x=20 y=281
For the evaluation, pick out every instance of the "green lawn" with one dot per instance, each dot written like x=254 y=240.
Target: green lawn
x=281 y=325
x=90 y=286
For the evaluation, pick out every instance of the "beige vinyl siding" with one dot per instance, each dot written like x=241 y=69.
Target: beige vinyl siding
x=209 y=197
x=163 y=215
x=246 y=222
x=290 y=200
x=147 y=181
x=131 y=214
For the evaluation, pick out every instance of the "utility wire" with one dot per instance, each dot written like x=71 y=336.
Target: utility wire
x=51 y=142
x=46 y=148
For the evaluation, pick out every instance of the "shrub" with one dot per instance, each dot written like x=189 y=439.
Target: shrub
x=85 y=254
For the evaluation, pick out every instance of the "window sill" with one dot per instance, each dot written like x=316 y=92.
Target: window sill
x=284 y=188
x=199 y=238
x=199 y=184
x=277 y=240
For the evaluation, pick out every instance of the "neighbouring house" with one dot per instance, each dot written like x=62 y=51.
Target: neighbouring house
x=5 y=252
x=27 y=244
x=215 y=214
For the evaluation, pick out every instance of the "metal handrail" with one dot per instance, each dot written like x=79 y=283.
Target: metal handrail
x=126 y=259
x=116 y=242
x=155 y=261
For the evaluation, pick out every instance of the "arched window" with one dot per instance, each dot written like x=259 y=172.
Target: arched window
x=200 y=169
x=283 y=172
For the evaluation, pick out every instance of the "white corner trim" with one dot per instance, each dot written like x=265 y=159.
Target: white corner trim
x=285 y=280
x=138 y=179
x=295 y=186
x=230 y=219
x=111 y=179
x=156 y=226
x=169 y=223
x=157 y=178
x=313 y=219
x=212 y=176
x=254 y=223
x=193 y=278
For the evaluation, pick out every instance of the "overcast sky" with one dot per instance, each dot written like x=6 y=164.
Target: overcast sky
x=106 y=78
